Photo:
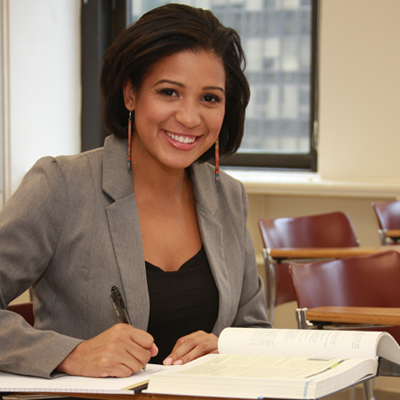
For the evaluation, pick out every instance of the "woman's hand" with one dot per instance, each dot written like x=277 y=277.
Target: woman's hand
x=119 y=351
x=192 y=346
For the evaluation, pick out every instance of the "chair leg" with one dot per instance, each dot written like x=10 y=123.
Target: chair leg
x=301 y=318
x=352 y=395
x=382 y=237
x=368 y=389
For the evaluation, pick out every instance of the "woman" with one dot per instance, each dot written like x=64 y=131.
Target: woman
x=145 y=213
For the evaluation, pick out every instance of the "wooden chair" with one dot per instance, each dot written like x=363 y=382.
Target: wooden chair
x=321 y=230
x=23 y=309
x=388 y=216
x=363 y=281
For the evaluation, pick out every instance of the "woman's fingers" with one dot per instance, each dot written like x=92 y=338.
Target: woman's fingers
x=119 y=351
x=192 y=346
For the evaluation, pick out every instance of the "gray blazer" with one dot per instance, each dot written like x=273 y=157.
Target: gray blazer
x=71 y=231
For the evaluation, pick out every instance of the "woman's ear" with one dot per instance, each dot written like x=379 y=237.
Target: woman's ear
x=129 y=93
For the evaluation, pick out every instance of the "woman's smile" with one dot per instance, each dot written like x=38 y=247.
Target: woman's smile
x=181 y=138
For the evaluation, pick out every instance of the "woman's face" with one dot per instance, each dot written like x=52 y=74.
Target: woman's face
x=179 y=109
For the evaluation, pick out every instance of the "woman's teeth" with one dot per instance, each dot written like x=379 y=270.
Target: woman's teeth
x=181 y=139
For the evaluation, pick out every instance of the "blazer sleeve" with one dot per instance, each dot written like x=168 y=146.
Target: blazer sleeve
x=30 y=226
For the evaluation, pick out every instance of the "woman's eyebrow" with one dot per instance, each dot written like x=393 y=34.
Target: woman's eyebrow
x=169 y=81
x=182 y=85
x=214 y=88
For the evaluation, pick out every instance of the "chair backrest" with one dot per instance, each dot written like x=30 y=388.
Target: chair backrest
x=363 y=281
x=321 y=230
x=387 y=213
x=23 y=309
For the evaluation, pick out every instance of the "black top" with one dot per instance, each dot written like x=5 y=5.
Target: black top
x=181 y=302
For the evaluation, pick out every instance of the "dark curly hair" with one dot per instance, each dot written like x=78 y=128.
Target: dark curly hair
x=164 y=31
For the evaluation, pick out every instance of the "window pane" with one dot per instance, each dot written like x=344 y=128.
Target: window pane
x=276 y=36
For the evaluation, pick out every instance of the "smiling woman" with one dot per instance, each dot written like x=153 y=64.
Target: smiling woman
x=144 y=214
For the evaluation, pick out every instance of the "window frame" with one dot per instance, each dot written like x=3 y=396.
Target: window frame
x=103 y=20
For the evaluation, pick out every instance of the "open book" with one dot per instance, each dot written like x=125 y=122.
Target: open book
x=280 y=363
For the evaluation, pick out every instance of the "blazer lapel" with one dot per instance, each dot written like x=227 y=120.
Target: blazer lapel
x=125 y=231
x=212 y=236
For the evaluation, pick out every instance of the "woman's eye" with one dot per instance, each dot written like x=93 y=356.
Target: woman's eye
x=167 y=92
x=211 y=98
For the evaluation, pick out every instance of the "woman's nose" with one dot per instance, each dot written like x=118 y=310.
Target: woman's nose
x=188 y=115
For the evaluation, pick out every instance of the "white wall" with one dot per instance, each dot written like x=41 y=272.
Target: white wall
x=360 y=90
x=43 y=81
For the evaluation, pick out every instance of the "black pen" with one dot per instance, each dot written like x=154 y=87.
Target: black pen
x=119 y=305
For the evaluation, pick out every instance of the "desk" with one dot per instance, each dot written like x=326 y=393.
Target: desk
x=326 y=252
x=279 y=255
x=389 y=236
x=355 y=315
x=392 y=233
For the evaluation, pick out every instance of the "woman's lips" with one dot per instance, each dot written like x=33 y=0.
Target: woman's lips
x=181 y=142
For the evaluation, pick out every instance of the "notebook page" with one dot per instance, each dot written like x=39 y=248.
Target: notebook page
x=76 y=384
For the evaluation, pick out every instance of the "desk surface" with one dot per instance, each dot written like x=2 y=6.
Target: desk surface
x=328 y=252
x=357 y=315
x=392 y=233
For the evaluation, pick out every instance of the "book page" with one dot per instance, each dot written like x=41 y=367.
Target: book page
x=262 y=367
x=251 y=376
x=389 y=349
x=302 y=342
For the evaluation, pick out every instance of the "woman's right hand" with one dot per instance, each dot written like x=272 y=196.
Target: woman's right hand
x=119 y=351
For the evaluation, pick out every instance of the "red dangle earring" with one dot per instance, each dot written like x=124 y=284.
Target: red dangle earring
x=129 y=139
x=217 y=161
